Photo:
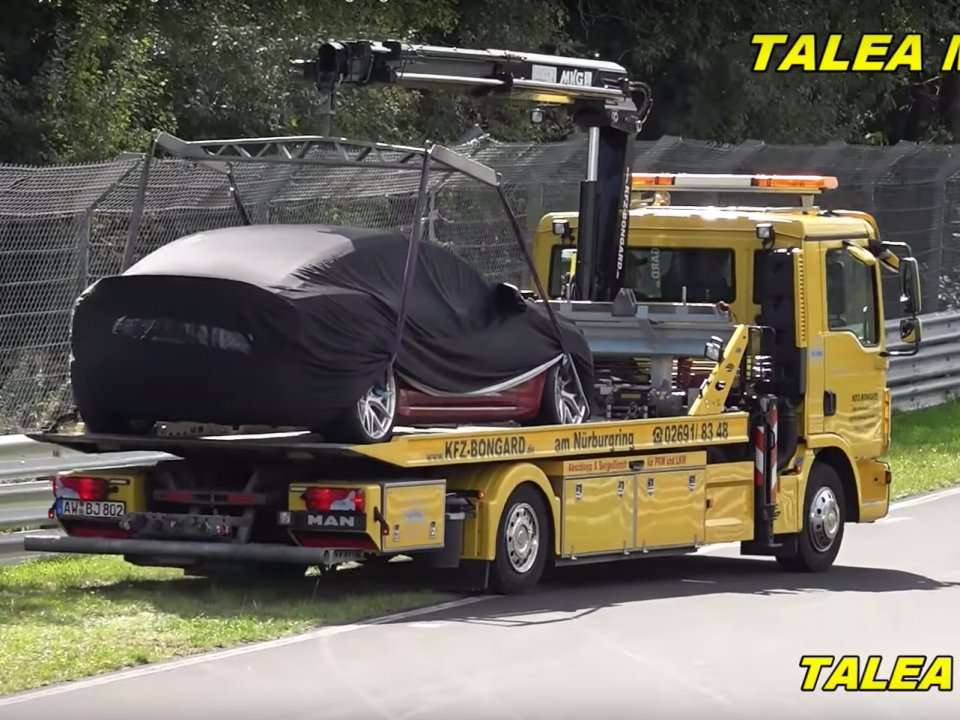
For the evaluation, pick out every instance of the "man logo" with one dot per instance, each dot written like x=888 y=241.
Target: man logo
x=331 y=521
x=579 y=78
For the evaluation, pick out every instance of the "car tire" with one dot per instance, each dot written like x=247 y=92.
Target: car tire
x=372 y=417
x=824 y=513
x=559 y=403
x=523 y=542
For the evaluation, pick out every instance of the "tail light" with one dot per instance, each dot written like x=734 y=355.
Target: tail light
x=81 y=486
x=323 y=499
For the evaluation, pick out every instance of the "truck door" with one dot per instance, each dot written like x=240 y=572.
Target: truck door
x=854 y=370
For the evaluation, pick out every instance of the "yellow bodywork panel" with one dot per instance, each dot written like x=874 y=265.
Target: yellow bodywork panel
x=730 y=492
x=874 y=489
x=671 y=508
x=729 y=500
x=800 y=300
x=713 y=394
x=478 y=445
x=414 y=515
x=598 y=515
x=495 y=482
x=789 y=504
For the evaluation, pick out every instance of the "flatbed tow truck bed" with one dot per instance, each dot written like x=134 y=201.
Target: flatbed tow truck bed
x=454 y=494
x=439 y=447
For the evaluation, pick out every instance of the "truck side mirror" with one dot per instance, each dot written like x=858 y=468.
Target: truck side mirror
x=911 y=331
x=910 y=286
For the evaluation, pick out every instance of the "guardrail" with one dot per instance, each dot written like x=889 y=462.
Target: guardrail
x=929 y=378
x=24 y=505
x=932 y=376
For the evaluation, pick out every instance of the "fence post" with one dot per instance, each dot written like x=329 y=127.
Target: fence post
x=83 y=250
x=136 y=216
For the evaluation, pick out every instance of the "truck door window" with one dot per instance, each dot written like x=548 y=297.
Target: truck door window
x=562 y=262
x=851 y=296
x=660 y=274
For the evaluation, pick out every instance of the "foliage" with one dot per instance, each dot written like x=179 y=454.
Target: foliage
x=698 y=57
x=111 y=74
x=86 y=79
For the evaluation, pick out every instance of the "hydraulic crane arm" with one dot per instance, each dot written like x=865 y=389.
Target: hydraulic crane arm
x=547 y=79
x=600 y=97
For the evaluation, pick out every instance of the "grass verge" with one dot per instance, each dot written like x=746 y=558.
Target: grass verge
x=925 y=449
x=66 y=618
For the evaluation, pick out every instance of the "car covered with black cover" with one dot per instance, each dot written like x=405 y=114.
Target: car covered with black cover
x=288 y=325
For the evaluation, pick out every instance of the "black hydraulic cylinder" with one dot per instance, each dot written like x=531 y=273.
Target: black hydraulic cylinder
x=613 y=211
x=585 y=276
x=604 y=218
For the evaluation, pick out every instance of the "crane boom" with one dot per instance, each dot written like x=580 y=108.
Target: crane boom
x=599 y=95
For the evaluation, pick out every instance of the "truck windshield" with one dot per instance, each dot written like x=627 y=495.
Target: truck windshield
x=661 y=273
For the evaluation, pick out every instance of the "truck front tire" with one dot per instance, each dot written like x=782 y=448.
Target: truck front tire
x=824 y=512
x=523 y=542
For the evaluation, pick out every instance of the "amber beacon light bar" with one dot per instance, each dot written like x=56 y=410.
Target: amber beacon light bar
x=807 y=184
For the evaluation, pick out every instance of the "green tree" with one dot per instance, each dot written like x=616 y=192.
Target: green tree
x=111 y=73
x=698 y=57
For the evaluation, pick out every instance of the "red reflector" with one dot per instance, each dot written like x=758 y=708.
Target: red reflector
x=86 y=488
x=321 y=499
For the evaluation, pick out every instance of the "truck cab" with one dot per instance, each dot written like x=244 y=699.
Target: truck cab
x=813 y=277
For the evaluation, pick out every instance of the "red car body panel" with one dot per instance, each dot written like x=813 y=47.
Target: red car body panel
x=521 y=402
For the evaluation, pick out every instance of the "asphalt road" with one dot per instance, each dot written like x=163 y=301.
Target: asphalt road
x=670 y=638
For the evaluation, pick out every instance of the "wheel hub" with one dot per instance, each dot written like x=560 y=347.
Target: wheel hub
x=825 y=520
x=377 y=408
x=523 y=537
x=570 y=406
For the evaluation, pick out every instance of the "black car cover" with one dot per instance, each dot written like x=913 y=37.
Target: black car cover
x=290 y=324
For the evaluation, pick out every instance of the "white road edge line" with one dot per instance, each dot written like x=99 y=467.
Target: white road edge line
x=334 y=629
x=894 y=506
x=923 y=499
x=168 y=665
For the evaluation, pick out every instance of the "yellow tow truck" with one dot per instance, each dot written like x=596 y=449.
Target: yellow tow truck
x=740 y=382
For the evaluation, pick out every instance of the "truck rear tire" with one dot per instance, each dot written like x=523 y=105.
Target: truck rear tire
x=824 y=512
x=523 y=542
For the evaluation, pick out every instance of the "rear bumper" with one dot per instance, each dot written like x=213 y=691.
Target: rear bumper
x=190 y=551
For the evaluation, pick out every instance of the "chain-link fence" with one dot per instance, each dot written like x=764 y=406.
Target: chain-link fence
x=62 y=228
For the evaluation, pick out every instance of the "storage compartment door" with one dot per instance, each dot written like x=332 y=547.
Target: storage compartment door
x=414 y=515
x=597 y=515
x=671 y=509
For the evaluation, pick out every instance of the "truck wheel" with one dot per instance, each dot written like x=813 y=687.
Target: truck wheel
x=523 y=542
x=824 y=512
